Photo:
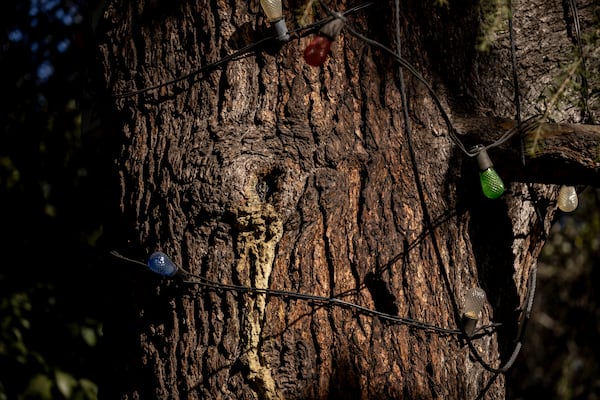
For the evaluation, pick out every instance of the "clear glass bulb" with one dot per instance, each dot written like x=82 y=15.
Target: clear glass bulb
x=491 y=184
x=567 y=198
x=474 y=300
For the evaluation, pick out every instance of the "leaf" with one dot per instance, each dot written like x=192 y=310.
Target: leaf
x=65 y=383
x=89 y=389
x=39 y=387
x=89 y=335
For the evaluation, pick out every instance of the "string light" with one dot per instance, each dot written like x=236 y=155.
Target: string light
x=236 y=55
x=474 y=300
x=161 y=264
x=491 y=184
x=274 y=12
x=318 y=49
x=567 y=198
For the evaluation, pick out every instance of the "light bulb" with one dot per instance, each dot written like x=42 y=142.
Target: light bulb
x=318 y=49
x=567 y=198
x=161 y=264
x=491 y=184
x=474 y=299
x=273 y=9
x=274 y=12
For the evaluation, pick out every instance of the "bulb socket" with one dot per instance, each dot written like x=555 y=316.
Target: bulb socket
x=483 y=159
x=469 y=325
x=281 y=31
x=332 y=29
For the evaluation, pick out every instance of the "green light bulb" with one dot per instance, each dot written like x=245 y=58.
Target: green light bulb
x=491 y=184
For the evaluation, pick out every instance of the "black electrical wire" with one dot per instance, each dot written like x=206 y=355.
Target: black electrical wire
x=314 y=26
x=426 y=215
x=530 y=124
x=189 y=278
x=451 y=130
x=521 y=126
x=235 y=55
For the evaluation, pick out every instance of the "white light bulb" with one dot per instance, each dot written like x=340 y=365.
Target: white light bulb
x=274 y=11
x=567 y=198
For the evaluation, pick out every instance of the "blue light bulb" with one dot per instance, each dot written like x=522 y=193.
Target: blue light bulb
x=161 y=264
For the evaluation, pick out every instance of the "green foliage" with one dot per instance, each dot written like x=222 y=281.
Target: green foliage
x=560 y=356
x=570 y=265
x=24 y=348
x=305 y=14
x=61 y=385
x=572 y=85
x=15 y=321
x=494 y=17
x=49 y=326
x=576 y=85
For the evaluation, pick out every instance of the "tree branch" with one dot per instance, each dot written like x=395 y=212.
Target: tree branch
x=554 y=153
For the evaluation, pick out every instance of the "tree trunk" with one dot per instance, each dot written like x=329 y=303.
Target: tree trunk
x=266 y=172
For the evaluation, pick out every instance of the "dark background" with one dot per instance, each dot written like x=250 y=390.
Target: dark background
x=53 y=185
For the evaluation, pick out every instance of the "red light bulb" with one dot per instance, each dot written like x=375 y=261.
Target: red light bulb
x=317 y=50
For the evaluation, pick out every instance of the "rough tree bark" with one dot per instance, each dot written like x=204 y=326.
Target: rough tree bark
x=270 y=173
